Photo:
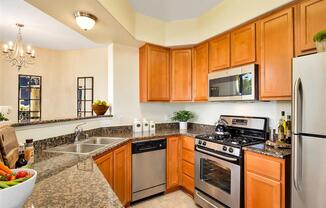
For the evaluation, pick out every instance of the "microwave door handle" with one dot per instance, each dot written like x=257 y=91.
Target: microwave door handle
x=297 y=119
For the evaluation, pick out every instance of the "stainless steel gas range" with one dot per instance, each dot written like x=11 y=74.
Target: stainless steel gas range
x=219 y=160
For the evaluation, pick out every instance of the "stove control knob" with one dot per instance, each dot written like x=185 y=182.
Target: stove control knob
x=230 y=149
x=204 y=143
x=199 y=142
x=225 y=148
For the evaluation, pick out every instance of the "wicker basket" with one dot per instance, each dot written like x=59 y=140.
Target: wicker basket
x=100 y=109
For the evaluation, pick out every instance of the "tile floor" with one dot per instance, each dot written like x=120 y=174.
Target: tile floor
x=175 y=199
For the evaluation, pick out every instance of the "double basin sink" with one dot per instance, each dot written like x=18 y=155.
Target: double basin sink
x=88 y=146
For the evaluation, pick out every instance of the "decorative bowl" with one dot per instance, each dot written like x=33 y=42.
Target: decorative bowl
x=16 y=196
x=100 y=109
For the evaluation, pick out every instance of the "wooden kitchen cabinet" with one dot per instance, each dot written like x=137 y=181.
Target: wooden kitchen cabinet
x=200 y=72
x=310 y=20
x=122 y=173
x=173 y=162
x=188 y=164
x=243 y=45
x=265 y=181
x=219 y=53
x=154 y=73
x=105 y=164
x=277 y=51
x=181 y=75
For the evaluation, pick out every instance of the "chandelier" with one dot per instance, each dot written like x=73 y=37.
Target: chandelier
x=16 y=54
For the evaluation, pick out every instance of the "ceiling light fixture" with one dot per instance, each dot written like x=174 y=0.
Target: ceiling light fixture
x=85 y=20
x=16 y=53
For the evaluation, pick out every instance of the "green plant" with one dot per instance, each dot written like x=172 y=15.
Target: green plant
x=320 y=36
x=101 y=102
x=182 y=116
x=3 y=118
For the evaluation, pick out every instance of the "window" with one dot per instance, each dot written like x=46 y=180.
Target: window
x=29 y=98
x=85 y=88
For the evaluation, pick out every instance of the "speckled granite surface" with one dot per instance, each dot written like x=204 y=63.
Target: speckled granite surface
x=61 y=184
x=270 y=151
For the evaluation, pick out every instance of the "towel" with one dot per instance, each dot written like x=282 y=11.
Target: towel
x=8 y=145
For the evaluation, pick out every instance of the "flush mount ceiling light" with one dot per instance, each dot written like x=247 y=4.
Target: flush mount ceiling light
x=85 y=20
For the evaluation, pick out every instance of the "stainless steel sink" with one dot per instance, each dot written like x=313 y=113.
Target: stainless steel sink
x=77 y=148
x=103 y=140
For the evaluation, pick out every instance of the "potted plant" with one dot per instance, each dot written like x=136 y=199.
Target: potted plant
x=100 y=107
x=182 y=116
x=320 y=41
x=2 y=117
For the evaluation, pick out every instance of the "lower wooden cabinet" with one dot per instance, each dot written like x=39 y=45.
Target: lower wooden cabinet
x=173 y=162
x=116 y=168
x=188 y=164
x=265 y=181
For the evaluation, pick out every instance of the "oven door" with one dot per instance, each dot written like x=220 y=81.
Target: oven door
x=218 y=178
x=233 y=84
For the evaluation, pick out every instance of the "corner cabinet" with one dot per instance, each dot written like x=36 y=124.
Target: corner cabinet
x=200 y=73
x=311 y=19
x=115 y=165
x=277 y=50
x=243 y=45
x=154 y=73
x=181 y=75
x=265 y=181
x=219 y=53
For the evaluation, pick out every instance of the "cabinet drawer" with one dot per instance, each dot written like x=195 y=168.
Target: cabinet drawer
x=188 y=143
x=188 y=155
x=188 y=169
x=188 y=183
x=264 y=165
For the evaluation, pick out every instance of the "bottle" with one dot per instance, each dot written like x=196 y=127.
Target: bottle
x=283 y=121
x=280 y=131
x=21 y=158
x=288 y=129
x=29 y=151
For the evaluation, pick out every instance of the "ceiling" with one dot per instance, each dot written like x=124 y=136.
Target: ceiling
x=41 y=30
x=170 y=10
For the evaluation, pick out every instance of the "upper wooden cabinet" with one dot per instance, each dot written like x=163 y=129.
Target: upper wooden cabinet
x=181 y=75
x=276 y=56
x=243 y=45
x=154 y=73
x=200 y=73
x=219 y=53
x=311 y=19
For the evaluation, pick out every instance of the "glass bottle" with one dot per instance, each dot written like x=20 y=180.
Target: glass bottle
x=280 y=131
x=288 y=129
x=29 y=151
x=21 y=158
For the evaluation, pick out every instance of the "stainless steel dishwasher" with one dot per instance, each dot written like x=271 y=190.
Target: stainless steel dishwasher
x=148 y=168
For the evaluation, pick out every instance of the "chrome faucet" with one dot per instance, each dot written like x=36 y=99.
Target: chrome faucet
x=79 y=131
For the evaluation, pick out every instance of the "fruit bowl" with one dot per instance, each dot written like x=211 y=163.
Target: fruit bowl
x=100 y=109
x=16 y=196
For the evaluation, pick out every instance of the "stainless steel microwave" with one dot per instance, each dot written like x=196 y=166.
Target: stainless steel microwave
x=235 y=84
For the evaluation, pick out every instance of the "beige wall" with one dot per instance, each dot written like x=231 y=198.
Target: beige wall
x=59 y=71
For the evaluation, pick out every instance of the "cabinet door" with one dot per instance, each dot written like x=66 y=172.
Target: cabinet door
x=173 y=162
x=219 y=53
x=143 y=66
x=158 y=74
x=243 y=45
x=276 y=56
x=181 y=75
x=122 y=173
x=312 y=20
x=105 y=164
x=262 y=192
x=200 y=72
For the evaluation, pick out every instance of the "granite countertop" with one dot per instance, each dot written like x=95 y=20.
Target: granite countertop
x=270 y=151
x=60 y=183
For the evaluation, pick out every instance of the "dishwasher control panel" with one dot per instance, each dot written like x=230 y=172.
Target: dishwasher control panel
x=148 y=145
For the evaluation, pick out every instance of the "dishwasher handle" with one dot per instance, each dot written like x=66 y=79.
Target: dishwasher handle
x=148 y=146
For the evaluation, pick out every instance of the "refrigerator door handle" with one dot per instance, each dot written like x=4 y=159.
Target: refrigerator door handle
x=297 y=108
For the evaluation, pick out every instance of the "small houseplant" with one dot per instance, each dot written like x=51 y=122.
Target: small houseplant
x=183 y=117
x=2 y=117
x=100 y=107
x=320 y=41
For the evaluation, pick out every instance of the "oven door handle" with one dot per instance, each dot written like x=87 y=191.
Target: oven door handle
x=205 y=200
x=217 y=155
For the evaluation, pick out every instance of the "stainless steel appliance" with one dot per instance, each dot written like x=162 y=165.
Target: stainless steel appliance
x=148 y=168
x=239 y=83
x=308 y=187
x=219 y=161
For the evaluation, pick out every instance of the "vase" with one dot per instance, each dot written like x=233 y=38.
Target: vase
x=183 y=125
x=321 y=46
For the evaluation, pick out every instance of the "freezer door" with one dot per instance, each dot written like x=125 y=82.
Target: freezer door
x=309 y=169
x=311 y=70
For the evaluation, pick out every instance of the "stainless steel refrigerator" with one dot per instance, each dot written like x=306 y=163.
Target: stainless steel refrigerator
x=308 y=186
